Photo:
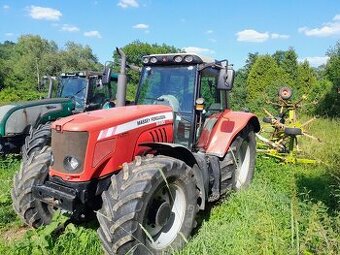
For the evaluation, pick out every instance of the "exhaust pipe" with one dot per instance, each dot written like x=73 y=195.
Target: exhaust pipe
x=122 y=80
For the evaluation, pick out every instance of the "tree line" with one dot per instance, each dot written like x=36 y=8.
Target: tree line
x=23 y=63
x=257 y=83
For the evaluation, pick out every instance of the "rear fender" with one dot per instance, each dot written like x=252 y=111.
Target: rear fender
x=226 y=128
x=195 y=161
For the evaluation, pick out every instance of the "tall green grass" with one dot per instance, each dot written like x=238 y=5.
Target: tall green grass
x=8 y=166
x=288 y=209
x=328 y=149
x=276 y=215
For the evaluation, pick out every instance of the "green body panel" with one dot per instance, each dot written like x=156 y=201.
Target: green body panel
x=44 y=110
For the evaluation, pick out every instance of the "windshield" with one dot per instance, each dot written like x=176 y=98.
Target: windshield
x=173 y=86
x=73 y=87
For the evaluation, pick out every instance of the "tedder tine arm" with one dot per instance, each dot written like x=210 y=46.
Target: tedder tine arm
x=312 y=137
x=307 y=122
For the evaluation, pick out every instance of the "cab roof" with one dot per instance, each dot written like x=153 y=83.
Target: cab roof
x=176 y=58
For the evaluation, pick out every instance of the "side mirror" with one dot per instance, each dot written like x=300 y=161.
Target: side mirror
x=106 y=75
x=226 y=79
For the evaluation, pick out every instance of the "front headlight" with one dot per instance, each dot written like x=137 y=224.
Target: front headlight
x=71 y=163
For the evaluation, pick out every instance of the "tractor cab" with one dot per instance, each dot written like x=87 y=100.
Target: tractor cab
x=86 y=89
x=194 y=86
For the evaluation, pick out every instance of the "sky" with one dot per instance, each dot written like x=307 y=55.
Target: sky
x=221 y=29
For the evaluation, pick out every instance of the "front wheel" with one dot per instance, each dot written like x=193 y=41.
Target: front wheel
x=32 y=211
x=243 y=151
x=150 y=207
x=37 y=139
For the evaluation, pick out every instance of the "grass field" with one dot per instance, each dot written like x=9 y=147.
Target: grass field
x=288 y=209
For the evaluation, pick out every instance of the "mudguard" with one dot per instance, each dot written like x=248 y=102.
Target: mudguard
x=16 y=117
x=220 y=129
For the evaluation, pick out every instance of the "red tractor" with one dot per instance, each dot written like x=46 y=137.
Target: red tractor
x=148 y=168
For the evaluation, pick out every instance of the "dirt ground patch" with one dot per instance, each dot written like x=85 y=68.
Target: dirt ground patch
x=14 y=234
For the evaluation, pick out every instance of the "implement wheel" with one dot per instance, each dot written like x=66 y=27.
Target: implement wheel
x=285 y=93
x=150 y=207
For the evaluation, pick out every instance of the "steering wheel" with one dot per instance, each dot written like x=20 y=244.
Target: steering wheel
x=170 y=100
x=77 y=100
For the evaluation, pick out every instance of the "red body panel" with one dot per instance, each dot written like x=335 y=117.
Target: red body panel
x=115 y=135
x=220 y=129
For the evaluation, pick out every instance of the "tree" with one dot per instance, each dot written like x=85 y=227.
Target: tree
x=290 y=66
x=238 y=95
x=263 y=82
x=331 y=104
x=279 y=57
x=77 y=57
x=306 y=79
x=23 y=63
x=251 y=59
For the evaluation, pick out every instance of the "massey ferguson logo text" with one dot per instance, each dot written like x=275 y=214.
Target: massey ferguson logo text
x=158 y=119
x=148 y=120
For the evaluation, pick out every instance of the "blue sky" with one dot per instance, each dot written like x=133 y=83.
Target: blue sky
x=221 y=29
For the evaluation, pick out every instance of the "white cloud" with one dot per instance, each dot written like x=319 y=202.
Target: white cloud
x=279 y=36
x=315 y=61
x=209 y=32
x=250 y=35
x=327 y=29
x=141 y=26
x=128 y=3
x=198 y=50
x=46 y=13
x=69 y=28
x=6 y=7
x=336 y=17
x=93 y=33
x=9 y=34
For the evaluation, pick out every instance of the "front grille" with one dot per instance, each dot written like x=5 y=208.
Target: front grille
x=68 y=144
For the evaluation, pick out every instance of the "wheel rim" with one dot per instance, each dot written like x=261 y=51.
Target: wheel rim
x=243 y=164
x=165 y=216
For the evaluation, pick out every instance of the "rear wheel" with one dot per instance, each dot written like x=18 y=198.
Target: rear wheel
x=149 y=208
x=37 y=139
x=244 y=156
x=33 y=212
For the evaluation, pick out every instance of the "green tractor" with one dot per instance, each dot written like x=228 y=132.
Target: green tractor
x=26 y=125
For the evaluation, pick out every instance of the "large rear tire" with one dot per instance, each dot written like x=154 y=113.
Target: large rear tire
x=36 y=140
x=32 y=211
x=150 y=207
x=244 y=157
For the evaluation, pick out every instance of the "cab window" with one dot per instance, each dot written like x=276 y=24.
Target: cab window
x=213 y=97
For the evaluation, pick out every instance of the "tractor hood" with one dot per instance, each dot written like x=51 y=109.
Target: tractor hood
x=16 y=117
x=123 y=117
